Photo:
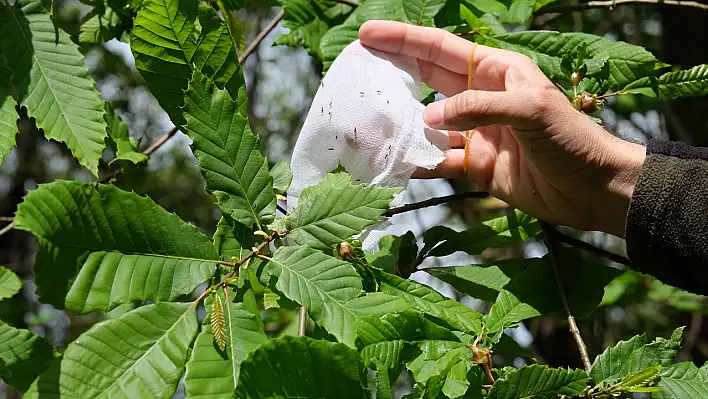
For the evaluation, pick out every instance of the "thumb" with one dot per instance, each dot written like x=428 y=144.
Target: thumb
x=524 y=109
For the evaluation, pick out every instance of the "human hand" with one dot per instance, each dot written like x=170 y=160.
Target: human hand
x=529 y=147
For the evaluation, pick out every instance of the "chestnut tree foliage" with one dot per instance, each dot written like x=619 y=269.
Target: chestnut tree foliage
x=100 y=247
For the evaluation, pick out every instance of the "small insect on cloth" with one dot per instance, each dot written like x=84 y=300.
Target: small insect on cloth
x=367 y=117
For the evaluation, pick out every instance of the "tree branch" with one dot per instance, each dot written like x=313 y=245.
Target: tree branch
x=154 y=147
x=7 y=228
x=302 y=322
x=550 y=234
x=611 y=4
x=590 y=248
x=257 y=41
x=436 y=201
x=236 y=265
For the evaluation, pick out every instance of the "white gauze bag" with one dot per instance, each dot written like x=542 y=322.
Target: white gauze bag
x=366 y=116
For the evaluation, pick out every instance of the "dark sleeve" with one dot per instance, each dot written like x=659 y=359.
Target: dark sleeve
x=667 y=223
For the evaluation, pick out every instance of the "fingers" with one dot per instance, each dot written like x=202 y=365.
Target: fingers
x=522 y=109
x=480 y=163
x=444 y=81
x=437 y=46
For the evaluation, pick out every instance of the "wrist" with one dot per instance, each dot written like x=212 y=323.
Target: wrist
x=626 y=160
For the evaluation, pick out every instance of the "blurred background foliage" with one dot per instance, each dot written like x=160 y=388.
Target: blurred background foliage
x=281 y=84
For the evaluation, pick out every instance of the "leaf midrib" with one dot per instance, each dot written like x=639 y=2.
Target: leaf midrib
x=225 y=147
x=28 y=44
x=155 y=344
x=96 y=250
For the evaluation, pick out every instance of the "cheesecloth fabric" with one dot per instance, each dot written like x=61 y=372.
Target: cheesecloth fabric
x=366 y=116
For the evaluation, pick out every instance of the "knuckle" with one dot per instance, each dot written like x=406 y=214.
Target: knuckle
x=542 y=101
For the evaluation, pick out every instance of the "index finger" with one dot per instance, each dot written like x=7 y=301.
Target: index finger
x=429 y=44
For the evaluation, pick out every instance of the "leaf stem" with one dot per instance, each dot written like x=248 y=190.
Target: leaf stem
x=613 y=3
x=549 y=235
x=302 y=322
x=259 y=38
x=436 y=201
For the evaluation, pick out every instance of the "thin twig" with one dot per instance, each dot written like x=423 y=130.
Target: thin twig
x=302 y=322
x=549 y=234
x=250 y=255
x=590 y=248
x=162 y=140
x=7 y=228
x=154 y=147
x=257 y=41
x=7 y=219
x=436 y=201
x=611 y=4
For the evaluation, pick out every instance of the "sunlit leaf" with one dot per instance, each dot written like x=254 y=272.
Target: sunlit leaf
x=139 y=354
x=235 y=171
x=52 y=81
x=100 y=247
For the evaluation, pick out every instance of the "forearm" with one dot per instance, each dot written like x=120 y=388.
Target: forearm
x=667 y=219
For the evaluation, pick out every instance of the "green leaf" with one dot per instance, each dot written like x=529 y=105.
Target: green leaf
x=540 y=382
x=437 y=358
x=173 y=38
x=10 y=283
x=235 y=171
x=534 y=292
x=672 y=85
x=629 y=357
x=395 y=253
x=101 y=247
x=308 y=21
x=422 y=12
x=233 y=239
x=214 y=373
x=495 y=233
x=320 y=283
x=519 y=12
x=683 y=380
x=100 y=25
x=25 y=355
x=302 y=368
x=282 y=176
x=417 y=12
x=626 y=62
x=456 y=383
x=408 y=326
x=335 y=40
x=480 y=281
x=126 y=148
x=51 y=80
x=334 y=210
x=8 y=113
x=428 y=301
x=383 y=382
x=139 y=354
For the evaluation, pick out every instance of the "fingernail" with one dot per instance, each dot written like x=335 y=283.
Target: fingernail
x=434 y=113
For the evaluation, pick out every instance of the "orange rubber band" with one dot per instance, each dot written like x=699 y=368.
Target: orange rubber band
x=468 y=133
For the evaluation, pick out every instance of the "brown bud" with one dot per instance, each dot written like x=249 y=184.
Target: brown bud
x=346 y=251
x=576 y=77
